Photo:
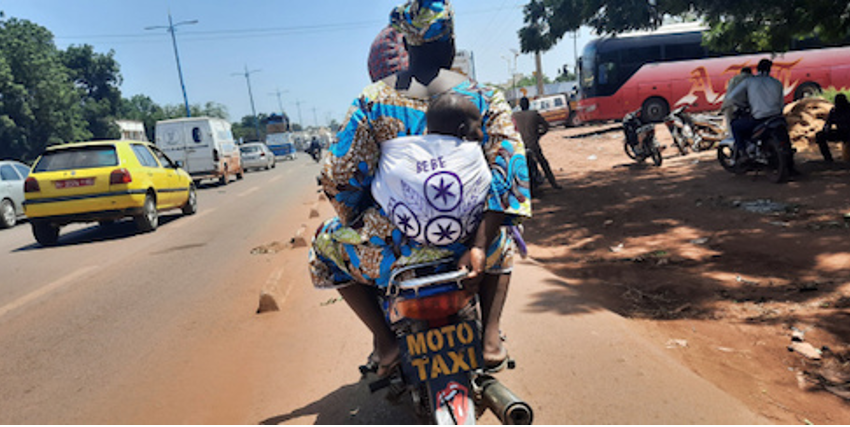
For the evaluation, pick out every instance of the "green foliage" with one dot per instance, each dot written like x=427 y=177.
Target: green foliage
x=97 y=79
x=39 y=103
x=830 y=93
x=531 y=80
x=736 y=25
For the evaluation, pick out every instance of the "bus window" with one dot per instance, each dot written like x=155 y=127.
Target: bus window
x=680 y=52
x=607 y=73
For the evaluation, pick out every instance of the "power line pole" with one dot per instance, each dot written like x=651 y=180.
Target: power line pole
x=315 y=121
x=278 y=93
x=171 y=27
x=247 y=75
x=298 y=104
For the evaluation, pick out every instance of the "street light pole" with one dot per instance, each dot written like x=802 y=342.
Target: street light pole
x=171 y=27
x=247 y=75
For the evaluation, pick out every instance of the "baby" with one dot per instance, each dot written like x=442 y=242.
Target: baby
x=454 y=115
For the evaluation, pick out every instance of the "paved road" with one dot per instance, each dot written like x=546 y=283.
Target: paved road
x=76 y=318
x=115 y=327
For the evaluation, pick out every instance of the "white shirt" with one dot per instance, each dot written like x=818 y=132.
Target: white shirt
x=762 y=93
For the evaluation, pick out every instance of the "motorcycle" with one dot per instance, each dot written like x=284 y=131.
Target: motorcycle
x=640 y=142
x=436 y=322
x=315 y=153
x=692 y=132
x=768 y=149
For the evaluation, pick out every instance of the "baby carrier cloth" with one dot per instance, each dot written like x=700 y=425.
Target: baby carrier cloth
x=433 y=187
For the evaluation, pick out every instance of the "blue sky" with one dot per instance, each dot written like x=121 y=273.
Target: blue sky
x=313 y=51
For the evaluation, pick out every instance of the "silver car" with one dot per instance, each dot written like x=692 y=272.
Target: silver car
x=12 y=177
x=256 y=155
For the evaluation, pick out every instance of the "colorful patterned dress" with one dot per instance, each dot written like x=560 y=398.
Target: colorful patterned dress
x=361 y=244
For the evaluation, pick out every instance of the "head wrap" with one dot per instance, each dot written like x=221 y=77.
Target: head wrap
x=424 y=21
x=387 y=56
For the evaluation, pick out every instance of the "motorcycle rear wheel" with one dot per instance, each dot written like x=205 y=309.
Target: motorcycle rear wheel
x=777 y=168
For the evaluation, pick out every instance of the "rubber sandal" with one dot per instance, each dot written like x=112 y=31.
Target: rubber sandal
x=388 y=368
x=371 y=365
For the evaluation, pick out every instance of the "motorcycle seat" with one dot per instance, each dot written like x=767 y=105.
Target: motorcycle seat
x=769 y=123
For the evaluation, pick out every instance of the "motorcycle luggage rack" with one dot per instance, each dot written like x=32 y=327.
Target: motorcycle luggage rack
x=417 y=283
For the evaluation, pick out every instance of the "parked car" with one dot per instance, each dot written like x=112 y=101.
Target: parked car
x=256 y=155
x=556 y=109
x=104 y=181
x=12 y=176
x=204 y=146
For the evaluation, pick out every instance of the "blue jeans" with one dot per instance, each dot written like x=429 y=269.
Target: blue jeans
x=742 y=130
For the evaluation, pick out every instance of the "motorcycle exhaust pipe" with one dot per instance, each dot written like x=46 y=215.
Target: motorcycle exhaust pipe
x=509 y=408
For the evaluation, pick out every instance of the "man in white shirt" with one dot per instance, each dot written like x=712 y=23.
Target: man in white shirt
x=763 y=95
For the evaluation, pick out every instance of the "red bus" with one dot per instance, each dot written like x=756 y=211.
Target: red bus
x=668 y=68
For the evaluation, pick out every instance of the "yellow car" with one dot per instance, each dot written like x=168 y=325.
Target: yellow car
x=104 y=181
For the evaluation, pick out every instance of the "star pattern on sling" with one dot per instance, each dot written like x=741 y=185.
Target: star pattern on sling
x=404 y=222
x=445 y=232
x=443 y=191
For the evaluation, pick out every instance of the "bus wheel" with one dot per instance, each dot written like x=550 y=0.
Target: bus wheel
x=654 y=110
x=806 y=90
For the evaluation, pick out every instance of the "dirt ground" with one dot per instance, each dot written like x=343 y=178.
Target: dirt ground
x=720 y=269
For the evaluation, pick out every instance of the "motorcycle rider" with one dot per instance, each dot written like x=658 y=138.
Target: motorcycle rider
x=764 y=97
x=355 y=251
x=315 y=149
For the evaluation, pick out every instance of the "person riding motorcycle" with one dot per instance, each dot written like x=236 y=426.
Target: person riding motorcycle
x=763 y=96
x=356 y=251
x=315 y=149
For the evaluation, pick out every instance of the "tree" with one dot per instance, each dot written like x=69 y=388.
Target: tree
x=39 y=104
x=736 y=25
x=531 y=80
x=97 y=79
x=535 y=37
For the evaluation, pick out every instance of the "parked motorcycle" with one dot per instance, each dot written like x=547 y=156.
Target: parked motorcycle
x=769 y=150
x=640 y=142
x=438 y=328
x=695 y=133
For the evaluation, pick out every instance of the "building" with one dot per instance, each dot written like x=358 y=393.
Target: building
x=132 y=129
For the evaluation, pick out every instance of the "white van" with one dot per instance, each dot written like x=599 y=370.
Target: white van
x=203 y=145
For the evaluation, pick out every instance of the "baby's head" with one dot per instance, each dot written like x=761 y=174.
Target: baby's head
x=455 y=115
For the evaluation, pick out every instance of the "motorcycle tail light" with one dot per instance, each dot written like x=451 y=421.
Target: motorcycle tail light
x=433 y=307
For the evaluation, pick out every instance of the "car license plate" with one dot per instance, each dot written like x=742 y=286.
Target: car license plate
x=73 y=183
x=439 y=352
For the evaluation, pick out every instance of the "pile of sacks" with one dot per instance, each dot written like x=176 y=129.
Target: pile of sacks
x=806 y=118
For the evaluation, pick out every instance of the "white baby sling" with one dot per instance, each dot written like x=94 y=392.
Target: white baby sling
x=433 y=187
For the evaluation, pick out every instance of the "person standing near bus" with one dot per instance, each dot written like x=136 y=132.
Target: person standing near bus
x=763 y=95
x=531 y=126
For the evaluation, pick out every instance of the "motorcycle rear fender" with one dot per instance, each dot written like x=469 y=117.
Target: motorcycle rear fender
x=727 y=142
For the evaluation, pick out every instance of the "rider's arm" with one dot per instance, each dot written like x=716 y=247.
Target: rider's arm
x=738 y=96
x=352 y=162
x=473 y=259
